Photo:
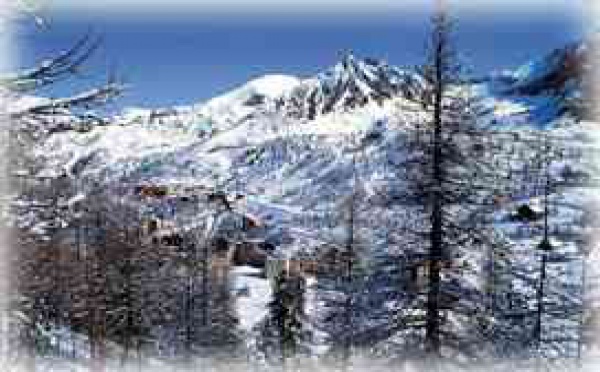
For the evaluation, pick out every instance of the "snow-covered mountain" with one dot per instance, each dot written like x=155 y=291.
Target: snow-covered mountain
x=260 y=137
x=545 y=88
x=286 y=143
x=288 y=152
x=551 y=86
x=217 y=113
x=351 y=83
x=562 y=69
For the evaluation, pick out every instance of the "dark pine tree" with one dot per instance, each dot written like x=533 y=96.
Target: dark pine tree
x=283 y=335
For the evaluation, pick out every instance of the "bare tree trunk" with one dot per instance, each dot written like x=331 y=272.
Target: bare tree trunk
x=98 y=316
x=432 y=327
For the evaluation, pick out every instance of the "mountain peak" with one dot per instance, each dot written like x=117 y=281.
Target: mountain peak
x=352 y=82
x=348 y=60
x=553 y=71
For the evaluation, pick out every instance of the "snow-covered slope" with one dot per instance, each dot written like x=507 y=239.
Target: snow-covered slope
x=285 y=143
x=545 y=88
x=254 y=95
x=255 y=92
x=219 y=113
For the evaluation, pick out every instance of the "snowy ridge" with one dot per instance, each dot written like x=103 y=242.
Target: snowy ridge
x=349 y=84
x=536 y=91
x=553 y=72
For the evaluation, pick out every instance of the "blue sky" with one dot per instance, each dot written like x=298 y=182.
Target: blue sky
x=185 y=59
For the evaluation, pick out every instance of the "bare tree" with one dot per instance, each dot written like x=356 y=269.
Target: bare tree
x=41 y=208
x=448 y=183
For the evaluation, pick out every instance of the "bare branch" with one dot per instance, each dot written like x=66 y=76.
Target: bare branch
x=58 y=68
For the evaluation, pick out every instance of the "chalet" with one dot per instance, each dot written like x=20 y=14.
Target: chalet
x=250 y=222
x=154 y=191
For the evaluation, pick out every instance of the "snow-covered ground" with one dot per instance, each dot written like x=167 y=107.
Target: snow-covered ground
x=253 y=295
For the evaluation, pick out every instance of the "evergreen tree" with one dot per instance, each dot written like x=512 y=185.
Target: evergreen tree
x=284 y=336
x=448 y=181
